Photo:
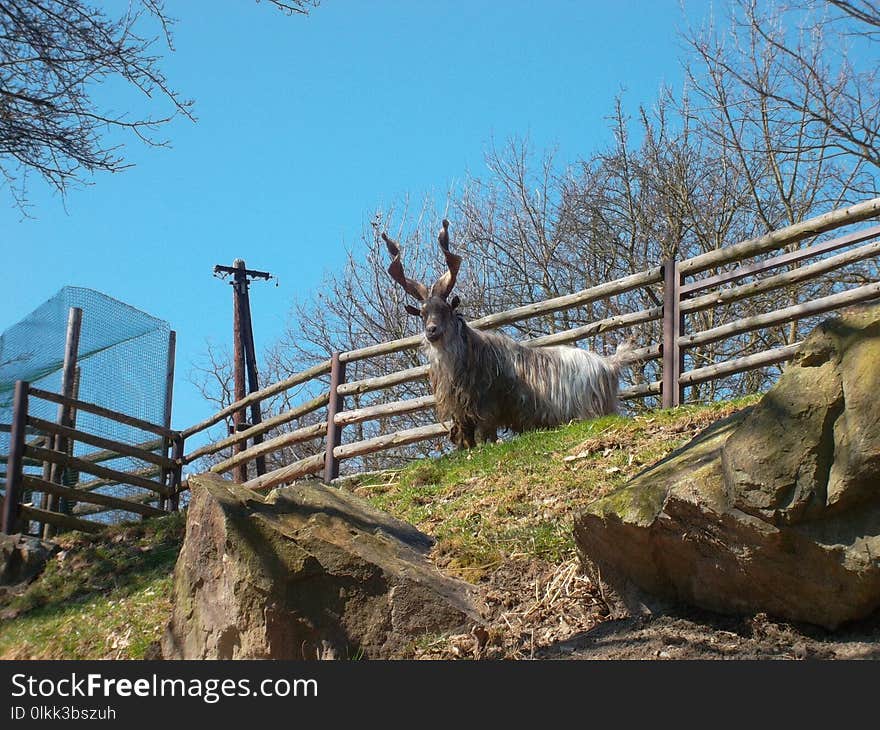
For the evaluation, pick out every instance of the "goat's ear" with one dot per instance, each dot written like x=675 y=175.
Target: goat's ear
x=455 y=301
x=412 y=287
x=444 y=284
x=414 y=311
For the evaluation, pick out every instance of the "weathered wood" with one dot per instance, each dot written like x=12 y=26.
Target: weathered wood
x=782 y=260
x=94 y=509
x=673 y=323
x=176 y=474
x=13 y=486
x=65 y=522
x=385 y=381
x=390 y=440
x=78 y=464
x=782 y=237
x=250 y=359
x=66 y=412
x=97 y=457
x=781 y=316
x=384 y=410
x=642 y=390
x=595 y=328
x=286 y=474
x=517 y=314
x=334 y=430
x=804 y=273
x=239 y=287
x=260 y=395
x=106 y=500
x=115 y=448
x=146 y=472
x=270 y=423
x=103 y=412
x=316 y=430
x=731 y=367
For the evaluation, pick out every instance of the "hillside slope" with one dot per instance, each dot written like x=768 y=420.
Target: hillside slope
x=502 y=516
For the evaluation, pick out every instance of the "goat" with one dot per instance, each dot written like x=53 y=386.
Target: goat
x=485 y=381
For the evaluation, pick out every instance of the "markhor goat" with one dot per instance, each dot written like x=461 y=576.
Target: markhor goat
x=485 y=381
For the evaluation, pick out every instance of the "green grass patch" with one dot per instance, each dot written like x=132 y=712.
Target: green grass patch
x=516 y=499
x=102 y=595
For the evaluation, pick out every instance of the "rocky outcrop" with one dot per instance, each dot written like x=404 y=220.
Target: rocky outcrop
x=775 y=509
x=22 y=558
x=308 y=572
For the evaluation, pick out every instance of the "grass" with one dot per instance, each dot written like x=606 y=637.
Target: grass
x=516 y=499
x=101 y=596
x=108 y=595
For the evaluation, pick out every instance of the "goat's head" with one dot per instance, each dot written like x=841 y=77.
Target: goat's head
x=437 y=310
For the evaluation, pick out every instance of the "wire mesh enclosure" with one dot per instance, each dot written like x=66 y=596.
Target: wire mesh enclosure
x=122 y=365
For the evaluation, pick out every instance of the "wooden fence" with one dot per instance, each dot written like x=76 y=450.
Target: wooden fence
x=38 y=444
x=706 y=282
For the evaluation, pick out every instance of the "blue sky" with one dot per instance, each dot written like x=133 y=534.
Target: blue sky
x=306 y=126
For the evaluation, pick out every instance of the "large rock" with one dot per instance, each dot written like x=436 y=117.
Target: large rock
x=22 y=557
x=775 y=509
x=308 y=572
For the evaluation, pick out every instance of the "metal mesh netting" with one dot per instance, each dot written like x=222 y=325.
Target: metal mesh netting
x=122 y=365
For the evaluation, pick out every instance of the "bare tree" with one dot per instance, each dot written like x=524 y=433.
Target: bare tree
x=52 y=54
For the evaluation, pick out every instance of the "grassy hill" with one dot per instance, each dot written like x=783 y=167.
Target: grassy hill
x=501 y=514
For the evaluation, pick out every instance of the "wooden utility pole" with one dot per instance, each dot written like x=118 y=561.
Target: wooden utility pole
x=243 y=356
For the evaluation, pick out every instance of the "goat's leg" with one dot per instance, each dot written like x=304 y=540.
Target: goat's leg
x=487 y=435
x=464 y=435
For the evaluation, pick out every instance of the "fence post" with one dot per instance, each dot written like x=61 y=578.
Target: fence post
x=335 y=405
x=176 y=473
x=15 y=462
x=673 y=325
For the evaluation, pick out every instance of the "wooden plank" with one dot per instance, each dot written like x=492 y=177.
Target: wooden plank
x=390 y=440
x=782 y=237
x=517 y=314
x=781 y=316
x=261 y=428
x=316 y=430
x=113 y=447
x=804 y=273
x=782 y=260
x=260 y=395
x=731 y=367
x=146 y=472
x=106 y=455
x=65 y=522
x=94 y=509
x=595 y=328
x=78 y=464
x=106 y=500
x=640 y=391
x=104 y=412
x=286 y=474
x=384 y=410
x=385 y=381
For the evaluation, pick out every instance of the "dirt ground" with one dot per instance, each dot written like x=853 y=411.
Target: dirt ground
x=545 y=612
